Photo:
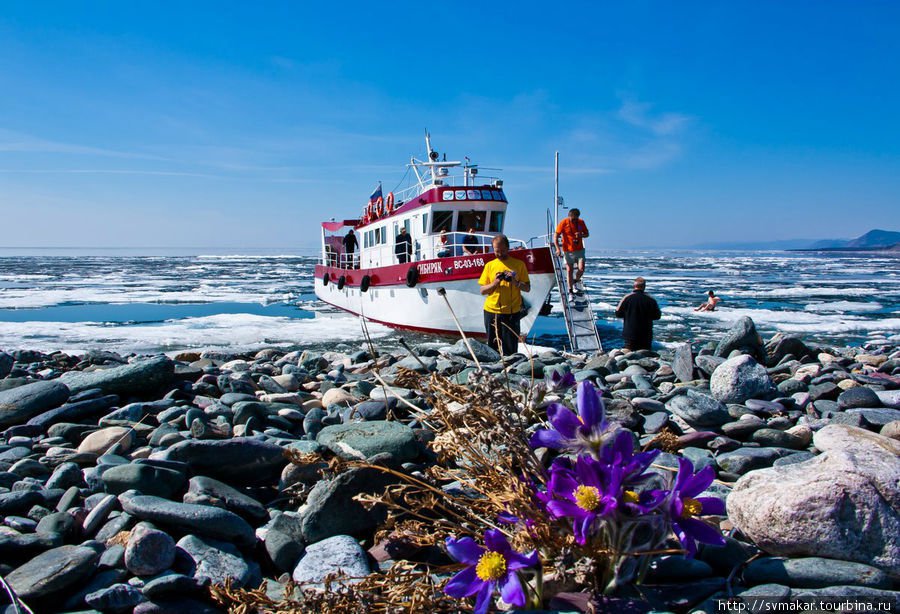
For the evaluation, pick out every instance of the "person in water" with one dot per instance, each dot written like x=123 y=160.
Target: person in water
x=710 y=304
x=638 y=310
x=502 y=282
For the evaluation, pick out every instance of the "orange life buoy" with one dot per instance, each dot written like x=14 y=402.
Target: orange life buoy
x=390 y=203
x=379 y=207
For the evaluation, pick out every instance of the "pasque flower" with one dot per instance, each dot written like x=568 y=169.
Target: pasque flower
x=585 y=431
x=488 y=569
x=685 y=506
x=559 y=381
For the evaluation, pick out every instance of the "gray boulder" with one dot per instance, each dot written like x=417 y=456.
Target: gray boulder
x=19 y=404
x=6 y=364
x=740 y=378
x=149 y=551
x=844 y=504
x=814 y=572
x=53 y=571
x=140 y=377
x=331 y=510
x=742 y=336
x=483 y=352
x=698 y=409
x=202 y=519
x=239 y=459
x=361 y=440
x=216 y=561
x=207 y=491
x=859 y=396
x=683 y=365
x=340 y=555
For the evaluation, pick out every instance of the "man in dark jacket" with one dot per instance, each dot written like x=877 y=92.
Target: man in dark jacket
x=639 y=311
x=350 y=244
x=403 y=246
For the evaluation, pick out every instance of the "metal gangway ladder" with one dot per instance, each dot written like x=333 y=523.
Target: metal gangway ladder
x=579 y=317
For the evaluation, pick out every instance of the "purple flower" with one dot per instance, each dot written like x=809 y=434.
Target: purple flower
x=558 y=382
x=487 y=569
x=584 y=432
x=685 y=507
x=620 y=453
x=584 y=495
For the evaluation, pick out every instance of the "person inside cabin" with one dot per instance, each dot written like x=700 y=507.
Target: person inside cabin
x=350 y=244
x=710 y=304
x=502 y=282
x=403 y=246
x=444 y=250
x=571 y=231
x=470 y=243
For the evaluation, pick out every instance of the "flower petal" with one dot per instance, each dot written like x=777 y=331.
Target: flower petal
x=563 y=484
x=464 y=584
x=589 y=472
x=517 y=560
x=685 y=472
x=563 y=420
x=496 y=541
x=483 y=601
x=563 y=509
x=546 y=438
x=590 y=407
x=696 y=484
x=712 y=506
x=702 y=532
x=511 y=590
x=464 y=550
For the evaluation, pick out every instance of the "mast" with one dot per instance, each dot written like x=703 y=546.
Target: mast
x=556 y=191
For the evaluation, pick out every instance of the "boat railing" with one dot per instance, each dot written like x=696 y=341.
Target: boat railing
x=454 y=181
x=447 y=245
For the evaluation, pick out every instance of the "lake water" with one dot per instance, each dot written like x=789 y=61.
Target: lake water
x=147 y=300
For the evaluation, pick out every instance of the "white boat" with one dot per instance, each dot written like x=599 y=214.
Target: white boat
x=413 y=293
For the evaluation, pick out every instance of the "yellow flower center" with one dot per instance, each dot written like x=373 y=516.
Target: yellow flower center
x=587 y=497
x=630 y=497
x=491 y=566
x=692 y=507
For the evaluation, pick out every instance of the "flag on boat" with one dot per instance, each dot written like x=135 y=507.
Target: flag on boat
x=376 y=195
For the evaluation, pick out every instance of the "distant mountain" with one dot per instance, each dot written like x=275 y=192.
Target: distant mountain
x=878 y=239
x=872 y=240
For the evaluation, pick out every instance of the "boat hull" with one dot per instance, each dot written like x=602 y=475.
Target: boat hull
x=391 y=301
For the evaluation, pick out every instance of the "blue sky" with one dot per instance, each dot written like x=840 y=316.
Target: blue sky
x=227 y=124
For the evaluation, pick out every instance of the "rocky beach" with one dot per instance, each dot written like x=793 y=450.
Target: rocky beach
x=272 y=480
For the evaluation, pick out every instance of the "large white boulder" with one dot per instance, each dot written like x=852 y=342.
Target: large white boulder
x=843 y=504
x=740 y=378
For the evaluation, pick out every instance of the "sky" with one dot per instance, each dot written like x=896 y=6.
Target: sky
x=237 y=125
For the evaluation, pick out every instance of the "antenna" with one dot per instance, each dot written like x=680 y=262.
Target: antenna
x=556 y=191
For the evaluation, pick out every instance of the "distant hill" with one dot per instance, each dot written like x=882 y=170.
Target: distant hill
x=872 y=240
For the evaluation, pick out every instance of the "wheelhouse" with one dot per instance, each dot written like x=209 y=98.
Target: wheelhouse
x=444 y=214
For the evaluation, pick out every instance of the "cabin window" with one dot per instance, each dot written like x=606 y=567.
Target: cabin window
x=378 y=240
x=470 y=219
x=496 y=221
x=442 y=220
x=425 y=224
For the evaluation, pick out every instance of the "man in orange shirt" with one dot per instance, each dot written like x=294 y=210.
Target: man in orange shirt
x=572 y=230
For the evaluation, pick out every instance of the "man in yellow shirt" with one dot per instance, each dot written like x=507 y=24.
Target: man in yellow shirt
x=502 y=282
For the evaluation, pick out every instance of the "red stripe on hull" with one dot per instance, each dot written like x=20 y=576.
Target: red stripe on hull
x=417 y=329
